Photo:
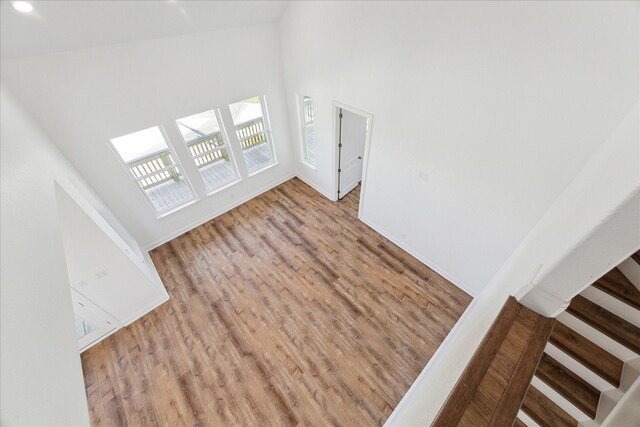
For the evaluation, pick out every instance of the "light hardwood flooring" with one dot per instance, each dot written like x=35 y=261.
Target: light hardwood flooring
x=284 y=311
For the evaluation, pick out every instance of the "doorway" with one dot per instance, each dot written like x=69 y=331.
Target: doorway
x=352 y=141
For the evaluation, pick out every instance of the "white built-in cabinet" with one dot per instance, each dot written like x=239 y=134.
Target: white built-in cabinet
x=112 y=284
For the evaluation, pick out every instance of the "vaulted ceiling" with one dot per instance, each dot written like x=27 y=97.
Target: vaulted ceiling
x=60 y=25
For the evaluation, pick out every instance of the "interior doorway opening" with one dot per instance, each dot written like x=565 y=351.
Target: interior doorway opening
x=352 y=127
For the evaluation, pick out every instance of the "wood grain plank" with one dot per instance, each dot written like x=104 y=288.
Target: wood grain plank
x=590 y=355
x=491 y=389
x=278 y=315
x=544 y=411
x=606 y=322
x=576 y=390
x=458 y=401
x=516 y=390
x=518 y=423
x=618 y=286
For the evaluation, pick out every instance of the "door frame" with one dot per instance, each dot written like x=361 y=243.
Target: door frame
x=337 y=105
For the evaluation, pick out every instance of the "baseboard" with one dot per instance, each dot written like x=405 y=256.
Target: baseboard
x=451 y=278
x=315 y=187
x=219 y=212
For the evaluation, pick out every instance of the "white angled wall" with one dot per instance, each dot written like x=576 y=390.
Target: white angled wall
x=41 y=376
x=592 y=227
x=84 y=97
x=102 y=268
x=498 y=104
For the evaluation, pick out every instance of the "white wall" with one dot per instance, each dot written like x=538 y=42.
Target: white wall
x=40 y=372
x=499 y=104
x=626 y=411
x=592 y=226
x=84 y=97
x=102 y=268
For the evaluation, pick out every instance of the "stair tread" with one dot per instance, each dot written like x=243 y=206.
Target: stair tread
x=488 y=395
x=618 y=286
x=458 y=401
x=636 y=256
x=586 y=352
x=544 y=411
x=606 y=322
x=519 y=423
x=576 y=390
x=516 y=389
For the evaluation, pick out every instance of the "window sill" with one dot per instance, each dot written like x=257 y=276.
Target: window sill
x=310 y=165
x=224 y=187
x=176 y=209
x=262 y=169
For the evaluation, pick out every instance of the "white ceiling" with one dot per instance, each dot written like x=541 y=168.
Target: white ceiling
x=59 y=25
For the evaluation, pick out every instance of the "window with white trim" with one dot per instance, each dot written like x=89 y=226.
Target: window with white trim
x=308 y=142
x=252 y=129
x=154 y=168
x=207 y=144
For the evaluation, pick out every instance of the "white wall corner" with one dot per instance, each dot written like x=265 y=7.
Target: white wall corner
x=322 y=191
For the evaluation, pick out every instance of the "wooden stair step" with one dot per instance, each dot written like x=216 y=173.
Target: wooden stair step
x=618 y=286
x=516 y=389
x=518 y=423
x=544 y=411
x=576 y=390
x=600 y=361
x=606 y=322
x=464 y=391
x=636 y=256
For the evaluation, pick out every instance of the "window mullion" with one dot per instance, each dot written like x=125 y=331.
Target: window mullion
x=233 y=142
x=188 y=166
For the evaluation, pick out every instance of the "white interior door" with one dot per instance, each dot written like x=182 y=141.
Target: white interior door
x=353 y=133
x=91 y=322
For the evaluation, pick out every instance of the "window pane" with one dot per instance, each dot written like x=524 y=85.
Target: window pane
x=147 y=155
x=308 y=144
x=208 y=148
x=252 y=132
x=198 y=125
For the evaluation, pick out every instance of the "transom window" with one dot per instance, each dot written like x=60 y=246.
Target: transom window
x=207 y=144
x=252 y=129
x=155 y=169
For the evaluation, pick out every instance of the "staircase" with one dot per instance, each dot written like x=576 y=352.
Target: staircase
x=568 y=371
x=495 y=381
x=592 y=356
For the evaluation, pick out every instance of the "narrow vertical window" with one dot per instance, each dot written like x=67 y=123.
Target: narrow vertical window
x=308 y=142
x=252 y=129
x=207 y=144
x=154 y=168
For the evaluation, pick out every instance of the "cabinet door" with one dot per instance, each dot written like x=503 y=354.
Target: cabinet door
x=92 y=324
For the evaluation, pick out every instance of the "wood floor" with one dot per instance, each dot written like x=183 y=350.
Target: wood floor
x=284 y=311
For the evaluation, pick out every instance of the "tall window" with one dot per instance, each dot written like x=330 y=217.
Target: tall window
x=308 y=143
x=208 y=147
x=154 y=168
x=252 y=129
